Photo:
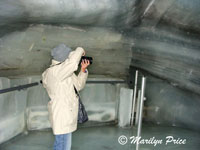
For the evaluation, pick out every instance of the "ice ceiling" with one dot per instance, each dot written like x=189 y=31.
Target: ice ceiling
x=159 y=36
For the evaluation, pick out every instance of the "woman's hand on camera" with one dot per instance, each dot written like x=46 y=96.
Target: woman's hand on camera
x=84 y=64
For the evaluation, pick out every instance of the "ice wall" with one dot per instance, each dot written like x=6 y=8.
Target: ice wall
x=171 y=55
x=12 y=111
x=102 y=100
x=88 y=12
x=29 y=50
x=167 y=45
x=167 y=41
x=166 y=35
x=27 y=109
x=159 y=36
x=125 y=107
x=168 y=105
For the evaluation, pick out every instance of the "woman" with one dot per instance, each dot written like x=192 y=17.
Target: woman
x=60 y=80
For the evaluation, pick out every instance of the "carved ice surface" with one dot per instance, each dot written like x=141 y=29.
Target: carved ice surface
x=159 y=37
x=27 y=109
x=12 y=111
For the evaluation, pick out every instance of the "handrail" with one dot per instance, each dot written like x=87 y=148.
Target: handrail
x=107 y=82
x=25 y=86
x=142 y=98
x=139 y=97
x=20 y=87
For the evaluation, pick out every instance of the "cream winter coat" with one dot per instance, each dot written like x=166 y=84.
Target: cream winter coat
x=59 y=81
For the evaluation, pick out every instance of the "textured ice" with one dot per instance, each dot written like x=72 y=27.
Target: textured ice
x=125 y=106
x=27 y=109
x=171 y=55
x=89 y=12
x=168 y=105
x=37 y=118
x=160 y=37
x=29 y=50
x=12 y=111
x=11 y=126
x=101 y=112
x=165 y=33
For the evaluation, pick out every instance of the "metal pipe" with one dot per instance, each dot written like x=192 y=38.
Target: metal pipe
x=137 y=107
x=134 y=99
x=104 y=82
x=107 y=82
x=20 y=87
x=141 y=110
x=25 y=86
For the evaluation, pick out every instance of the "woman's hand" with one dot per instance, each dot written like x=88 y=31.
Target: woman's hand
x=84 y=64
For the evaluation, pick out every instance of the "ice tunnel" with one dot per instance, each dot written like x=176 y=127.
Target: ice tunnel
x=143 y=88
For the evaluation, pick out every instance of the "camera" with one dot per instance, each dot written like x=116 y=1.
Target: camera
x=87 y=58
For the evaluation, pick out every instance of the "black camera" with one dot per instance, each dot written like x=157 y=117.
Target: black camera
x=87 y=58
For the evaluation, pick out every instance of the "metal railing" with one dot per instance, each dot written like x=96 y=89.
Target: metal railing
x=138 y=101
x=18 y=88
x=25 y=86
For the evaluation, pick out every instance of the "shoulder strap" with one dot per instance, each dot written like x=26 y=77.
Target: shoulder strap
x=76 y=91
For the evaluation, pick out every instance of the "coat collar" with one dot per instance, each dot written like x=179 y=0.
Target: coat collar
x=54 y=62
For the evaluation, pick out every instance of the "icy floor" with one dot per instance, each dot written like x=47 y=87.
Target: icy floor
x=106 y=138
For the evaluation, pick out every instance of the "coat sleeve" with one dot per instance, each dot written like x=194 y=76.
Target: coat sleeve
x=80 y=80
x=70 y=65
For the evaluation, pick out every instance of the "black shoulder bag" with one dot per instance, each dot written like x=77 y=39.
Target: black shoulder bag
x=82 y=114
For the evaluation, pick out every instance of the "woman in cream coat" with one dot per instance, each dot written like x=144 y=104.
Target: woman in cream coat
x=59 y=80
